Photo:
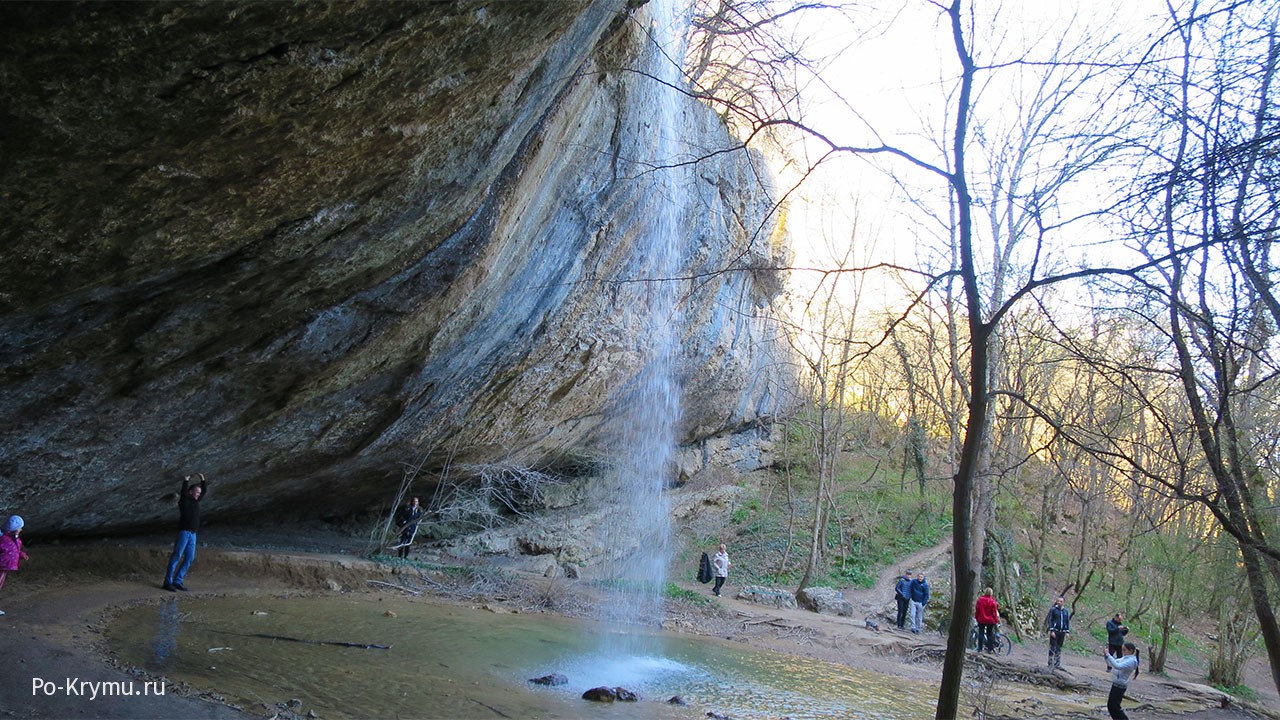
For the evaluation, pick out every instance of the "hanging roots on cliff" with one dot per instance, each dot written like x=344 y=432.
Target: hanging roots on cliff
x=466 y=498
x=487 y=494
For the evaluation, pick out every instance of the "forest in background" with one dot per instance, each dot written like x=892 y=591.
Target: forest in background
x=1066 y=538
x=1056 y=324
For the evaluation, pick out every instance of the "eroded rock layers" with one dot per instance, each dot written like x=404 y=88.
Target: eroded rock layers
x=299 y=245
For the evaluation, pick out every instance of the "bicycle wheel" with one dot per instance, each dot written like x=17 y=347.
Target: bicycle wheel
x=1004 y=645
x=973 y=640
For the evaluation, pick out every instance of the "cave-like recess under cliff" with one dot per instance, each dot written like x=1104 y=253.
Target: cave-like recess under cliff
x=298 y=245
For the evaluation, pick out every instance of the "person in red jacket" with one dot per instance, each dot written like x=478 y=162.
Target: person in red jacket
x=987 y=613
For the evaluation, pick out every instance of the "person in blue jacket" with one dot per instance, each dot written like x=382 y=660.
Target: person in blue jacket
x=902 y=594
x=919 y=598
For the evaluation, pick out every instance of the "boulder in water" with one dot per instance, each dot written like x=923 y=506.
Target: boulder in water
x=600 y=694
x=553 y=679
x=606 y=694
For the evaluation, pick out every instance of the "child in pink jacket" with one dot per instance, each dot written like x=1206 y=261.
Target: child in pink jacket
x=10 y=548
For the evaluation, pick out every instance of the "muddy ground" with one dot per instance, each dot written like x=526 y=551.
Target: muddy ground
x=58 y=605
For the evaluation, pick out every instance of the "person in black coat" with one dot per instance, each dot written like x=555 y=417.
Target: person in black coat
x=1058 y=623
x=184 y=548
x=902 y=594
x=1116 y=631
x=407 y=519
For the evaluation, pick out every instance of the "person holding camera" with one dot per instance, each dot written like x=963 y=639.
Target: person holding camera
x=1116 y=631
x=1125 y=668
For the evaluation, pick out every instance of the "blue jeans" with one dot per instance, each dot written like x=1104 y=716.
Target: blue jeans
x=184 y=552
x=917 y=616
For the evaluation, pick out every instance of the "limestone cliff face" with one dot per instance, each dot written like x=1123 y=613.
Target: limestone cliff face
x=297 y=245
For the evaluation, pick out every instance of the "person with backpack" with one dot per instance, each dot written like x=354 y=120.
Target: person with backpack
x=1124 y=668
x=902 y=594
x=1058 y=623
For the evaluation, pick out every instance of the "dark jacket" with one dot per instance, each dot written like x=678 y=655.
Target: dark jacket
x=189 y=507
x=704 y=569
x=409 y=516
x=1116 y=632
x=903 y=588
x=920 y=591
x=1058 y=620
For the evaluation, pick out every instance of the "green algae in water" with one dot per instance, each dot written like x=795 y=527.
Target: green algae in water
x=452 y=662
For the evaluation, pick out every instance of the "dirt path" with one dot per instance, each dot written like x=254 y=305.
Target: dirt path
x=878 y=600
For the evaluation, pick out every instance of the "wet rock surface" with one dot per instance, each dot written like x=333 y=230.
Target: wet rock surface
x=298 y=245
x=610 y=694
x=554 y=679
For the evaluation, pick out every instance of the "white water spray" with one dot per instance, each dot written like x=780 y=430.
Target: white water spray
x=648 y=410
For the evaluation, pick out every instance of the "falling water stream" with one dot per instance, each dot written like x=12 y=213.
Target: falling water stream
x=646 y=413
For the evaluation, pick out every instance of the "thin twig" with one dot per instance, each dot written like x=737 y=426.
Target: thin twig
x=393 y=585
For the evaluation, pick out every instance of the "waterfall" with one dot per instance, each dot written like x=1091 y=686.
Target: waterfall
x=647 y=412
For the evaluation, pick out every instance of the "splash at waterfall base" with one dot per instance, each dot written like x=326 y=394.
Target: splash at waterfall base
x=58 y=627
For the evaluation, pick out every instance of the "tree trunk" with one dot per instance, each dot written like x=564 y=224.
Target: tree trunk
x=975 y=432
x=1166 y=628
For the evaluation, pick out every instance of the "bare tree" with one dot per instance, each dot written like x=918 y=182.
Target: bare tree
x=1214 y=211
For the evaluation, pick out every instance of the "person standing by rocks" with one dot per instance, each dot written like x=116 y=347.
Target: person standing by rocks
x=987 y=614
x=1058 y=623
x=721 y=564
x=184 y=547
x=1125 y=668
x=407 y=519
x=902 y=594
x=1116 y=631
x=11 y=548
x=919 y=598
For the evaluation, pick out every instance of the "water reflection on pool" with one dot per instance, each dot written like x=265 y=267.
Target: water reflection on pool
x=453 y=662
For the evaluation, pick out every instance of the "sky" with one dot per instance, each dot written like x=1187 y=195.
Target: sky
x=888 y=76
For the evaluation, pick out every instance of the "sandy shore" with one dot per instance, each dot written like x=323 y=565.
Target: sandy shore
x=57 y=664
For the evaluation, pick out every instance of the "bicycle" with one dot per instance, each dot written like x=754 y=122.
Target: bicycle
x=1003 y=645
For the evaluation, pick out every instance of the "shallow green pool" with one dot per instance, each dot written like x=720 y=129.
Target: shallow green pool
x=451 y=662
